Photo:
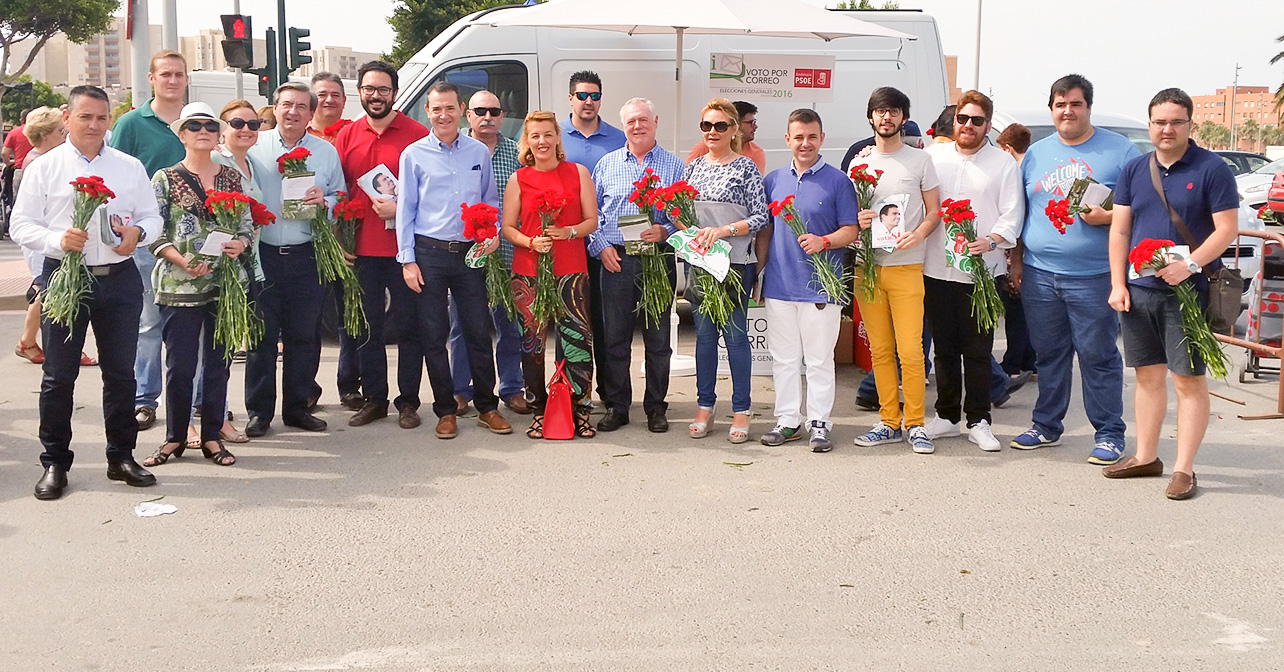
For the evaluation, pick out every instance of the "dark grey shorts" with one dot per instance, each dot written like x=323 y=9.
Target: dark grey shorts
x=1152 y=333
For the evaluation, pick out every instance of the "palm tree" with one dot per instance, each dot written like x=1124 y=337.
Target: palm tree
x=1279 y=93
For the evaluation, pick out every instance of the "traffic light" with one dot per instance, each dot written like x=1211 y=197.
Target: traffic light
x=238 y=41
x=265 y=87
x=267 y=75
x=298 y=46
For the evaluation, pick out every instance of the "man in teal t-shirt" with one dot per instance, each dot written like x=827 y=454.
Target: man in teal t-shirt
x=1064 y=279
x=144 y=134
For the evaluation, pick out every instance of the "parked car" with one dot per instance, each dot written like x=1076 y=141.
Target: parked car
x=1242 y=162
x=1253 y=186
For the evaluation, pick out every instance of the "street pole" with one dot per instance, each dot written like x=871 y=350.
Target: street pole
x=169 y=25
x=240 y=74
x=976 y=65
x=1231 y=112
x=282 y=56
x=140 y=52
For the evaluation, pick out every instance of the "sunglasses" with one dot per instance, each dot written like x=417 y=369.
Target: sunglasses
x=239 y=123
x=193 y=125
x=976 y=121
x=586 y=95
x=483 y=111
x=720 y=126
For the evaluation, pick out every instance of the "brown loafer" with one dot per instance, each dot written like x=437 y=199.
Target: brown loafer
x=368 y=414
x=495 y=422
x=518 y=404
x=1182 y=486
x=447 y=428
x=1131 y=468
x=461 y=405
x=407 y=418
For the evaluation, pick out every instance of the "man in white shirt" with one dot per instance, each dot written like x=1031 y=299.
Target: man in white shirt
x=968 y=168
x=42 y=223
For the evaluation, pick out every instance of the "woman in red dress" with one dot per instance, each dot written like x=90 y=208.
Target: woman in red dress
x=547 y=175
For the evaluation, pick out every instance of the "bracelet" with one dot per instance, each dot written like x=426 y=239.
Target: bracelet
x=825 y=240
x=731 y=230
x=572 y=232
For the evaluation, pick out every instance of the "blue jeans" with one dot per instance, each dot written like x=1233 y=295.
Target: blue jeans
x=736 y=338
x=998 y=379
x=508 y=354
x=1069 y=316
x=148 y=368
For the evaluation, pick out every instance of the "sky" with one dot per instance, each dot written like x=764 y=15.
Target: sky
x=1129 y=49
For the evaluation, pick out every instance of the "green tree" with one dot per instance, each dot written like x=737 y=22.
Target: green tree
x=125 y=105
x=1247 y=133
x=39 y=20
x=1272 y=135
x=1279 y=93
x=17 y=101
x=415 y=22
x=1213 y=135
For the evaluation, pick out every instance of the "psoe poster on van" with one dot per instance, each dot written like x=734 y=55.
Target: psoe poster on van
x=768 y=77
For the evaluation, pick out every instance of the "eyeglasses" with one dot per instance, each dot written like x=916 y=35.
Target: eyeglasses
x=750 y=122
x=586 y=95
x=976 y=120
x=720 y=126
x=887 y=111
x=371 y=90
x=238 y=123
x=483 y=111
x=1175 y=123
x=194 y=125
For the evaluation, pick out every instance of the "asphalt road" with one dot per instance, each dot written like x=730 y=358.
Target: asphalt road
x=384 y=549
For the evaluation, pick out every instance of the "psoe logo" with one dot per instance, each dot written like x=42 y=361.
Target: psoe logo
x=727 y=66
x=812 y=78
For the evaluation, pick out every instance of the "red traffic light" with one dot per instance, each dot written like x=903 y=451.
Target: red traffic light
x=238 y=29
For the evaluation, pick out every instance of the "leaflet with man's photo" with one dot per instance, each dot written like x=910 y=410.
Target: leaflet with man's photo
x=1087 y=191
x=378 y=182
x=888 y=225
x=1175 y=253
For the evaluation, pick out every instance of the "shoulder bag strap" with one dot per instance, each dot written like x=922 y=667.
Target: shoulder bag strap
x=1172 y=214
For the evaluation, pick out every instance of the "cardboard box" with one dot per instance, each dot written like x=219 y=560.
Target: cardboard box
x=845 y=348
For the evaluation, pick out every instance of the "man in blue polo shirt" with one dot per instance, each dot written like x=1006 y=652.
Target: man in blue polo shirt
x=1064 y=279
x=802 y=323
x=1200 y=189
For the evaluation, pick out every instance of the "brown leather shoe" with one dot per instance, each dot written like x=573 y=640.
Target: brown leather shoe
x=1182 y=486
x=461 y=405
x=495 y=422
x=368 y=414
x=1131 y=468
x=447 y=428
x=518 y=404
x=407 y=418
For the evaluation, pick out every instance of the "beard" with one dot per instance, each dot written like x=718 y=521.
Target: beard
x=890 y=134
x=387 y=109
x=969 y=143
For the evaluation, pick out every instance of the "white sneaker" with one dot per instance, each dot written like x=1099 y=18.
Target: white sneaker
x=981 y=435
x=939 y=427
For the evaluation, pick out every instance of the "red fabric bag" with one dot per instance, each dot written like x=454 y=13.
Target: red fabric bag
x=559 y=421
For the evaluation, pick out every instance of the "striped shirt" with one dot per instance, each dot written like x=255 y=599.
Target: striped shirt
x=614 y=176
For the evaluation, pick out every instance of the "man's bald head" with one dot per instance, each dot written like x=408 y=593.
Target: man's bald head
x=484 y=116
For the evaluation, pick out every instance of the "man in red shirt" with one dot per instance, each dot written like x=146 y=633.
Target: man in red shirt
x=374 y=140
x=16 y=144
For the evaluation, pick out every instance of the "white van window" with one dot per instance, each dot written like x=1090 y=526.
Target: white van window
x=506 y=79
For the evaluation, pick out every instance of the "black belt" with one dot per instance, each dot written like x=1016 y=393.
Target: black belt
x=301 y=248
x=451 y=246
x=111 y=269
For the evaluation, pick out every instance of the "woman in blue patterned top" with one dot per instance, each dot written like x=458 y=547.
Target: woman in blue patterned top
x=732 y=205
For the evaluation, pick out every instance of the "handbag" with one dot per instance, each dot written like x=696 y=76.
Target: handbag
x=1225 y=285
x=559 y=421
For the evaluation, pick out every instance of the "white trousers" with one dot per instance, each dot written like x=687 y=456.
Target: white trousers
x=799 y=333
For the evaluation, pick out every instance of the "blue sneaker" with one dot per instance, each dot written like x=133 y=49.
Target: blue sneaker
x=1033 y=438
x=1106 y=452
x=877 y=436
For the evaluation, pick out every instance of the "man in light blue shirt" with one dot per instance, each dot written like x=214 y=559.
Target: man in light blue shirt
x=438 y=173
x=290 y=296
x=585 y=137
x=620 y=272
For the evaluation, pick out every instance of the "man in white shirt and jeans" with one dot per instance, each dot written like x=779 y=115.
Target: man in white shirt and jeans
x=971 y=169
x=42 y=223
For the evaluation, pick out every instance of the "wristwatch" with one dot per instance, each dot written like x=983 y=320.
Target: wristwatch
x=1194 y=268
x=994 y=244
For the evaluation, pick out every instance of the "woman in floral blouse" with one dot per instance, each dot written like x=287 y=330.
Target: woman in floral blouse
x=185 y=287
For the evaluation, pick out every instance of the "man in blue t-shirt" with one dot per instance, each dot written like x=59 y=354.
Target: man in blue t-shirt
x=1064 y=279
x=1200 y=189
x=803 y=322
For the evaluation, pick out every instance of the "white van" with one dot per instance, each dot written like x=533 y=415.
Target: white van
x=529 y=68
x=218 y=87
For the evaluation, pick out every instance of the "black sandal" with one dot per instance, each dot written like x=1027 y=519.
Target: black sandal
x=537 y=428
x=220 y=458
x=161 y=457
x=584 y=428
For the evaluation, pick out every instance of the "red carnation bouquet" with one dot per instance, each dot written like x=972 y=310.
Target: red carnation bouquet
x=547 y=304
x=480 y=226
x=68 y=285
x=960 y=223
x=1061 y=213
x=260 y=214
x=823 y=273
x=653 y=278
x=235 y=323
x=866 y=182
x=293 y=165
x=347 y=215
x=1153 y=254
x=333 y=129
x=678 y=200
x=1265 y=214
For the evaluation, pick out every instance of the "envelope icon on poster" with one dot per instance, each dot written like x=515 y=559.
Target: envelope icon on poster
x=728 y=66
x=716 y=259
